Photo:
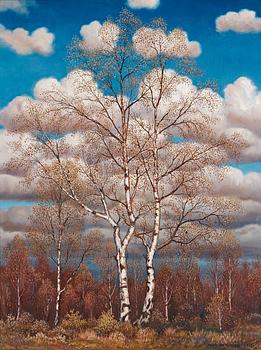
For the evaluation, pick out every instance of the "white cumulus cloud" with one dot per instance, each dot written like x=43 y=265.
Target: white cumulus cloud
x=249 y=235
x=97 y=36
x=19 y=6
x=138 y=4
x=22 y=42
x=244 y=21
x=243 y=104
x=237 y=184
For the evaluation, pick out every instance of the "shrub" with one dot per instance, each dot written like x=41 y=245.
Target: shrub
x=170 y=332
x=117 y=336
x=181 y=336
x=106 y=324
x=254 y=319
x=23 y=325
x=87 y=334
x=39 y=326
x=43 y=338
x=57 y=332
x=127 y=329
x=181 y=322
x=196 y=323
x=72 y=324
x=225 y=338
x=199 y=338
x=219 y=315
x=158 y=322
x=146 y=335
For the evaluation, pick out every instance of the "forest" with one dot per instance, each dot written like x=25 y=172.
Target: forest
x=130 y=240
x=194 y=305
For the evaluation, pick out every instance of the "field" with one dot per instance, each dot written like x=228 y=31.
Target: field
x=189 y=341
x=115 y=346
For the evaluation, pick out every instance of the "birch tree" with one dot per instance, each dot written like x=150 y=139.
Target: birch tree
x=231 y=256
x=178 y=174
x=57 y=230
x=165 y=288
x=18 y=271
x=108 y=135
x=106 y=263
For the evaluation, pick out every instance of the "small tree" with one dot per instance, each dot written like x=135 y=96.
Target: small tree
x=107 y=265
x=45 y=298
x=217 y=311
x=57 y=230
x=165 y=288
x=18 y=270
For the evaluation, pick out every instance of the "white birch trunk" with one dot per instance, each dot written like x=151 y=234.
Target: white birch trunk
x=148 y=302
x=123 y=282
x=123 y=276
x=229 y=285
x=58 y=286
x=220 y=319
x=18 y=299
x=166 y=303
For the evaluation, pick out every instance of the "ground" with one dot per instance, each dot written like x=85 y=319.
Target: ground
x=100 y=345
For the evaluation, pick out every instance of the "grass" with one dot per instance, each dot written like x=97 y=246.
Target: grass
x=112 y=345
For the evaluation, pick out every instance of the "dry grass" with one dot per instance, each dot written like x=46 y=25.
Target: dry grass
x=114 y=345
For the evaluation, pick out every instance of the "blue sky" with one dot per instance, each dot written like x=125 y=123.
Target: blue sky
x=225 y=56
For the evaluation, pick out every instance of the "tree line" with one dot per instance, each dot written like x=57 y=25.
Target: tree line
x=226 y=292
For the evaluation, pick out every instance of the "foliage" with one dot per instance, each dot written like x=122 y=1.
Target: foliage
x=218 y=313
x=118 y=336
x=73 y=323
x=170 y=332
x=158 y=322
x=127 y=329
x=106 y=324
x=25 y=326
x=146 y=335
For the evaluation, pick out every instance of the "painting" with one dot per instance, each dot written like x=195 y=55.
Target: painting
x=130 y=174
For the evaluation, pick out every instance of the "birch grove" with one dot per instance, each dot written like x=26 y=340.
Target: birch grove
x=132 y=142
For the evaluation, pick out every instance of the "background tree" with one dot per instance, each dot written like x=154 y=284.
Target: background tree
x=18 y=271
x=106 y=263
x=45 y=298
x=57 y=230
x=165 y=288
x=230 y=254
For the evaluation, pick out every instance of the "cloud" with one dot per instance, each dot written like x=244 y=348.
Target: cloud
x=242 y=114
x=138 y=4
x=243 y=104
x=11 y=188
x=14 y=108
x=6 y=140
x=244 y=21
x=150 y=42
x=19 y=6
x=97 y=36
x=237 y=184
x=15 y=219
x=23 y=43
x=6 y=151
x=249 y=235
